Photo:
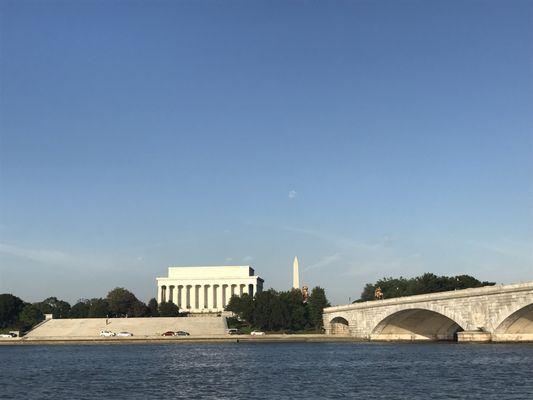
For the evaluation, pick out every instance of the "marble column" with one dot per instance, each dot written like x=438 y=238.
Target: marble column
x=251 y=291
x=180 y=301
x=219 y=297
x=188 y=297
x=224 y=295
x=171 y=293
x=206 y=297
x=214 y=294
x=193 y=297
x=199 y=298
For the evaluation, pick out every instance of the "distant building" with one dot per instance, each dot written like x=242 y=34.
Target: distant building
x=206 y=289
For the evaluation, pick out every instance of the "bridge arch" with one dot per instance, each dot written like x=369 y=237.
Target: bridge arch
x=517 y=325
x=339 y=326
x=416 y=324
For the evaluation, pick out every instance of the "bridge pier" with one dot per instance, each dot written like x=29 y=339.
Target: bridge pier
x=474 y=336
x=512 y=337
x=402 y=337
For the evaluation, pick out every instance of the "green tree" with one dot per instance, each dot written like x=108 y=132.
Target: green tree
x=298 y=311
x=316 y=303
x=242 y=306
x=280 y=313
x=153 y=308
x=10 y=308
x=140 y=309
x=168 y=309
x=295 y=311
x=273 y=311
x=98 y=308
x=266 y=314
x=426 y=283
x=467 y=281
x=121 y=302
x=80 y=309
x=368 y=292
x=52 y=305
x=29 y=316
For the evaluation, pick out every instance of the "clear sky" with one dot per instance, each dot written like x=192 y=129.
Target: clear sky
x=370 y=138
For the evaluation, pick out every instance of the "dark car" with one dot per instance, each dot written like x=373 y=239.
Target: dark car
x=169 y=333
x=182 y=333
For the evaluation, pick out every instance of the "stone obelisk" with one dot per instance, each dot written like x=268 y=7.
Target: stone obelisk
x=295 y=274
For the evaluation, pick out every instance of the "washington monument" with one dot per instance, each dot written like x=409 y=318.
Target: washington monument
x=295 y=274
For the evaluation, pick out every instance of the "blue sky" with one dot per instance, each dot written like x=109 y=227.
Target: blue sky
x=370 y=138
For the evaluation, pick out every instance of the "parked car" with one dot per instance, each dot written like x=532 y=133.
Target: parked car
x=123 y=334
x=182 y=333
x=234 y=331
x=257 y=333
x=6 y=335
x=169 y=333
x=107 y=333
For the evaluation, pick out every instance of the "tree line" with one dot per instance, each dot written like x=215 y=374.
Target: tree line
x=426 y=283
x=119 y=302
x=271 y=310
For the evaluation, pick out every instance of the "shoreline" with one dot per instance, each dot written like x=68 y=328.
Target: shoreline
x=274 y=338
x=182 y=340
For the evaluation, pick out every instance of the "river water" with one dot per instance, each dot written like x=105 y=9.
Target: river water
x=268 y=371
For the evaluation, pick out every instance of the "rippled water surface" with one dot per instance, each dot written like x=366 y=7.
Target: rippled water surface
x=268 y=370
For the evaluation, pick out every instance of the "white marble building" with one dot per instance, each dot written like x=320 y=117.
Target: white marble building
x=206 y=289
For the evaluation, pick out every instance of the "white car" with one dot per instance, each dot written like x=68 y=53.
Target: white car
x=107 y=333
x=257 y=333
x=123 y=334
x=6 y=335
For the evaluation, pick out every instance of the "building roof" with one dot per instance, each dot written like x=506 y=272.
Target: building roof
x=210 y=272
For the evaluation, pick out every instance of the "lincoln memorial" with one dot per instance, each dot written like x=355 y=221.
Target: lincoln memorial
x=206 y=289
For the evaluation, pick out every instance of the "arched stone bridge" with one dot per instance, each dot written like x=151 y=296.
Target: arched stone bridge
x=497 y=313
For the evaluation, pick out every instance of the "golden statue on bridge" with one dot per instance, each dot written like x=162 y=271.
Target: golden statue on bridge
x=305 y=293
x=378 y=294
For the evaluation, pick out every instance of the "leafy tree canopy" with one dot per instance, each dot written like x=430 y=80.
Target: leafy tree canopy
x=52 y=305
x=168 y=309
x=98 y=308
x=153 y=308
x=80 y=309
x=242 y=306
x=140 y=309
x=10 y=308
x=29 y=316
x=121 y=302
x=280 y=311
x=317 y=302
x=427 y=283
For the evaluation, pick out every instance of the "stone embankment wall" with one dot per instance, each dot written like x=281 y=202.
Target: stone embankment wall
x=148 y=327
